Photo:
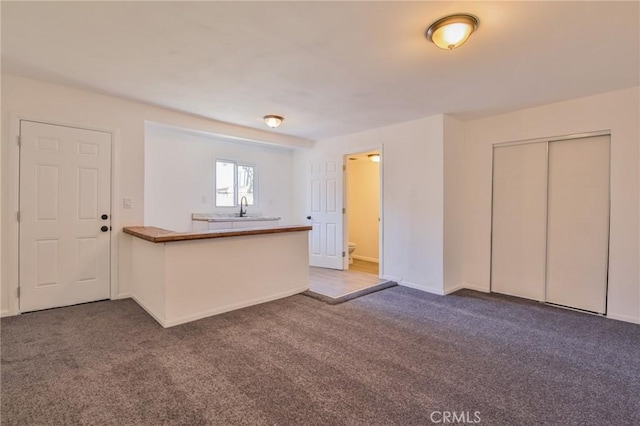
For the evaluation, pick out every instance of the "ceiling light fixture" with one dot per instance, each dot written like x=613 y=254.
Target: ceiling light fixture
x=452 y=31
x=273 y=121
x=374 y=157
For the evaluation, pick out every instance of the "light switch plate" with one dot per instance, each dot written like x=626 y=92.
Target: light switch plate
x=126 y=202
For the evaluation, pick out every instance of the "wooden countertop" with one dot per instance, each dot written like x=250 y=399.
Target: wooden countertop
x=159 y=235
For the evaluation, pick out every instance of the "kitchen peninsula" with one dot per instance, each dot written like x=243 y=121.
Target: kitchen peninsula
x=184 y=276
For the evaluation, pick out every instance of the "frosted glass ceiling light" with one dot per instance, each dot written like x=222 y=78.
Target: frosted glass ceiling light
x=452 y=31
x=273 y=121
x=374 y=157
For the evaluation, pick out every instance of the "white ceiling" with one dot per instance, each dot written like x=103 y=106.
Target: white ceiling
x=331 y=68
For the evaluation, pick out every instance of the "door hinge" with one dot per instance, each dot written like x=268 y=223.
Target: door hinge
x=18 y=216
x=344 y=168
x=18 y=291
x=19 y=141
x=344 y=210
x=343 y=254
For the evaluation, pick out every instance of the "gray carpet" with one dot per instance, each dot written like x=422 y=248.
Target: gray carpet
x=391 y=357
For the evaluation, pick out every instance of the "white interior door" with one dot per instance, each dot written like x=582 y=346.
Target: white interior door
x=519 y=220
x=577 y=245
x=65 y=176
x=325 y=212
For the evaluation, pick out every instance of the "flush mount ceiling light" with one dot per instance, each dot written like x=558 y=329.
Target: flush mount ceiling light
x=374 y=157
x=273 y=121
x=452 y=31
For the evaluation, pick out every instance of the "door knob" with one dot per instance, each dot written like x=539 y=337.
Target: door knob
x=104 y=217
x=309 y=217
x=104 y=228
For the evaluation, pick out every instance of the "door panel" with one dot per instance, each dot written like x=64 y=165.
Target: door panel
x=87 y=255
x=65 y=178
x=519 y=220
x=88 y=194
x=47 y=192
x=325 y=210
x=46 y=262
x=577 y=246
x=331 y=196
x=332 y=240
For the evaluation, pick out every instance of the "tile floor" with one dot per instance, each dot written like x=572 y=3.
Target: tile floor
x=335 y=283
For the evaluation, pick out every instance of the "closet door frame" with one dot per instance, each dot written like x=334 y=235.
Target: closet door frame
x=548 y=141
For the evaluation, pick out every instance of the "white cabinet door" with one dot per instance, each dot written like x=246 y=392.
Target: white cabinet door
x=577 y=245
x=199 y=225
x=519 y=220
x=65 y=176
x=236 y=224
x=220 y=225
x=254 y=223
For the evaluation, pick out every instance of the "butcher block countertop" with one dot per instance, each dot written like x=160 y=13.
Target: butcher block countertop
x=159 y=235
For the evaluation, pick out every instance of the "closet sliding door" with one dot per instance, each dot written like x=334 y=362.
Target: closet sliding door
x=578 y=223
x=519 y=220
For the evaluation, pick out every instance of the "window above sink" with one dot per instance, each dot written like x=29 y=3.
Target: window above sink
x=234 y=180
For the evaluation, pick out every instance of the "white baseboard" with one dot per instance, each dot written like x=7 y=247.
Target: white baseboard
x=423 y=287
x=365 y=258
x=454 y=289
x=475 y=288
x=149 y=311
x=391 y=278
x=610 y=315
x=233 y=307
x=122 y=296
x=6 y=313
x=434 y=289
x=625 y=318
x=204 y=314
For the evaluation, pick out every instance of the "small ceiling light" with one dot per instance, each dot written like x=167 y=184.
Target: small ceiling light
x=273 y=121
x=374 y=157
x=452 y=31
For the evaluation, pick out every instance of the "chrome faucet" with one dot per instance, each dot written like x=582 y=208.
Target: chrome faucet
x=244 y=201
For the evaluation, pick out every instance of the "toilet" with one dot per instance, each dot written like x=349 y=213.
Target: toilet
x=352 y=248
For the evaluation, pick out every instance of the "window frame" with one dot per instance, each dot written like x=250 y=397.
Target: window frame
x=236 y=198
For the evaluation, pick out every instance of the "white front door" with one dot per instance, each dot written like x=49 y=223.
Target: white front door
x=65 y=215
x=324 y=206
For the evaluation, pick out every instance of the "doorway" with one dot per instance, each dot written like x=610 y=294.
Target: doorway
x=362 y=212
x=338 y=221
x=64 y=215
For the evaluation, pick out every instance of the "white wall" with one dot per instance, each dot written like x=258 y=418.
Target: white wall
x=3 y=300
x=51 y=102
x=430 y=166
x=615 y=111
x=454 y=203
x=179 y=177
x=363 y=207
x=412 y=171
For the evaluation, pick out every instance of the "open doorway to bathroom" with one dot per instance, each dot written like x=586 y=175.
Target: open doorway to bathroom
x=362 y=212
x=362 y=238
